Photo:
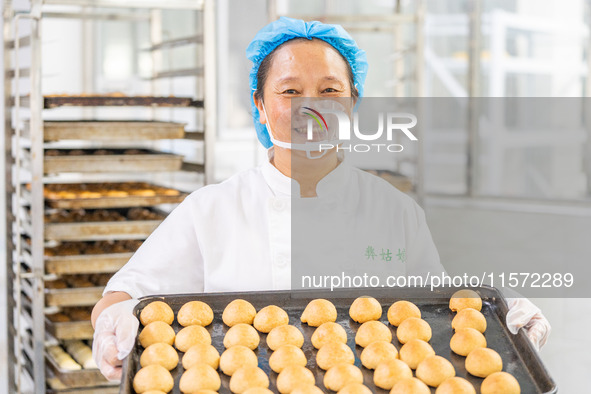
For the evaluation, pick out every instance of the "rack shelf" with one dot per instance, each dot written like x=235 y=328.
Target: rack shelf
x=67 y=234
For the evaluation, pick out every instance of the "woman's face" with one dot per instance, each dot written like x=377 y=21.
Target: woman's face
x=301 y=68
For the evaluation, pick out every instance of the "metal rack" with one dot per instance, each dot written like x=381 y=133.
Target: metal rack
x=28 y=136
x=405 y=68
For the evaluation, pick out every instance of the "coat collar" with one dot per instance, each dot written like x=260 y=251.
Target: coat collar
x=283 y=186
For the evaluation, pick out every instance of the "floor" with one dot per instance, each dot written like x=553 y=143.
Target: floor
x=567 y=355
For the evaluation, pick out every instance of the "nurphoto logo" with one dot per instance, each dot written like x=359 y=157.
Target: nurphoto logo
x=394 y=122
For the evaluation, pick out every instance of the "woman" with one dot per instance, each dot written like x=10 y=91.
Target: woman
x=236 y=236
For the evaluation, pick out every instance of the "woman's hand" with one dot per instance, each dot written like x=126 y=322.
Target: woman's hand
x=115 y=330
x=523 y=313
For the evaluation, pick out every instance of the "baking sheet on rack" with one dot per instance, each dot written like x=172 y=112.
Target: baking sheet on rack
x=86 y=264
x=93 y=231
x=119 y=100
x=77 y=296
x=128 y=201
x=103 y=130
x=519 y=357
x=77 y=378
x=117 y=161
x=70 y=329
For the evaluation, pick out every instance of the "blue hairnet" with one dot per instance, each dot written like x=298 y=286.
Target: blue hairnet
x=285 y=29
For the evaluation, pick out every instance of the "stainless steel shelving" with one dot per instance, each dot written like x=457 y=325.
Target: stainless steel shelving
x=25 y=145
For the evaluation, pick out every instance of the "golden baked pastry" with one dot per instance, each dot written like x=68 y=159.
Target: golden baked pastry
x=258 y=390
x=387 y=373
x=413 y=328
x=143 y=192
x=162 y=392
x=195 y=313
x=191 y=335
x=340 y=375
x=236 y=357
x=161 y=354
x=328 y=332
x=415 y=351
x=156 y=332
x=199 y=377
x=152 y=377
x=307 y=389
x=201 y=353
x=433 y=370
x=319 y=311
x=469 y=318
x=355 y=388
x=372 y=331
x=377 y=352
x=465 y=340
x=500 y=382
x=116 y=193
x=455 y=385
x=334 y=353
x=463 y=299
x=285 y=335
x=410 y=386
x=157 y=311
x=292 y=376
x=482 y=362
x=238 y=311
x=242 y=334
x=365 y=309
x=63 y=359
x=270 y=317
x=248 y=377
x=287 y=355
x=401 y=310
x=81 y=352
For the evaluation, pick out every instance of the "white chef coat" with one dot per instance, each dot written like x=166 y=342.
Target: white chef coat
x=236 y=235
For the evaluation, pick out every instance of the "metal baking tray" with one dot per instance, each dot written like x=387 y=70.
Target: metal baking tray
x=101 y=130
x=79 y=378
x=148 y=161
x=73 y=296
x=115 y=202
x=87 y=263
x=70 y=329
x=117 y=101
x=95 y=231
x=519 y=357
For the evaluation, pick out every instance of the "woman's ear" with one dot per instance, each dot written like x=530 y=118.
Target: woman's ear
x=259 y=104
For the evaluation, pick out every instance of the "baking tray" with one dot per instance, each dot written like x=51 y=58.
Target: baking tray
x=97 y=130
x=96 y=231
x=519 y=357
x=114 y=202
x=87 y=263
x=73 y=296
x=79 y=378
x=148 y=161
x=117 y=101
x=70 y=329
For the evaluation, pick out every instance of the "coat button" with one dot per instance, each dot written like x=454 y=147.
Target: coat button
x=282 y=262
x=279 y=205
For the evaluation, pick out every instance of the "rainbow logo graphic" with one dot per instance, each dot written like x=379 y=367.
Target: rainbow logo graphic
x=317 y=117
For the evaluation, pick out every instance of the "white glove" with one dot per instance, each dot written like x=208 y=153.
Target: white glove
x=523 y=313
x=114 y=337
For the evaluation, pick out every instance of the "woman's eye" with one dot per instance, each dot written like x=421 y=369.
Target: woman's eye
x=329 y=90
x=290 y=91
